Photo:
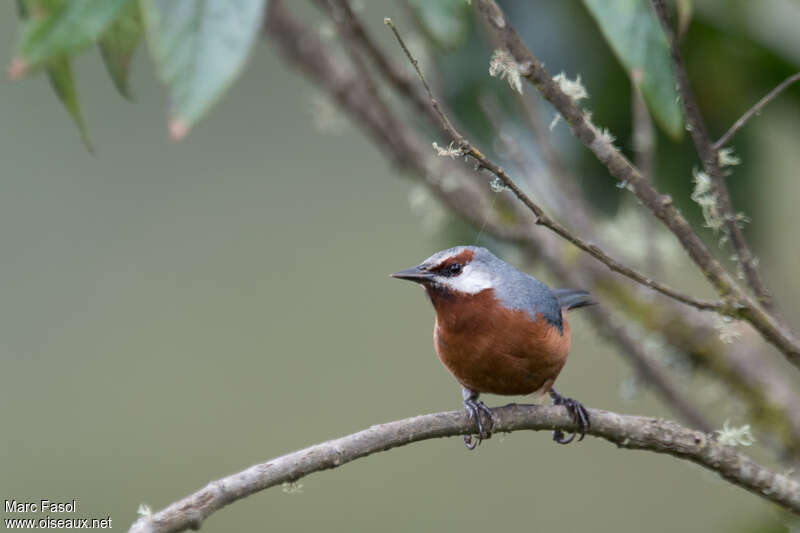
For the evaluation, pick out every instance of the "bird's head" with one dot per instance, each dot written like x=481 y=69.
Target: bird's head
x=463 y=269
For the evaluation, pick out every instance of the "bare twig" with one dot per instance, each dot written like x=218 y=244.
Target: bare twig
x=709 y=155
x=740 y=304
x=631 y=432
x=540 y=217
x=756 y=109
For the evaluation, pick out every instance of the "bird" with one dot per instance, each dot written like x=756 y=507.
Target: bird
x=498 y=330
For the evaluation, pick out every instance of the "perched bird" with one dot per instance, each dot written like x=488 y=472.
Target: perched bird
x=498 y=330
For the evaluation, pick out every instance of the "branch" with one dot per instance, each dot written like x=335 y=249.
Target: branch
x=709 y=155
x=741 y=305
x=756 y=109
x=541 y=218
x=631 y=432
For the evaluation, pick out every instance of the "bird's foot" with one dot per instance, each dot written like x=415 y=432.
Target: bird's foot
x=475 y=408
x=579 y=414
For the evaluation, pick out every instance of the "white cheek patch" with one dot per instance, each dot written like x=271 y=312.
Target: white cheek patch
x=470 y=281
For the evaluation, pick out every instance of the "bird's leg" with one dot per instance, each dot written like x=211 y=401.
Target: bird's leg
x=579 y=414
x=475 y=408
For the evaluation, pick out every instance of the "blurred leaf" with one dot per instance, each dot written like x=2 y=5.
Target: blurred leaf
x=685 y=10
x=59 y=71
x=37 y=7
x=53 y=30
x=445 y=21
x=635 y=35
x=118 y=44
x=199 y=47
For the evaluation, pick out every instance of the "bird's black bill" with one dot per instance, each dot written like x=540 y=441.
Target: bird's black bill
x=415 y=274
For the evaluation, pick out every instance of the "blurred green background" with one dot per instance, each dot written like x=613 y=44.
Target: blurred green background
x=176 y=312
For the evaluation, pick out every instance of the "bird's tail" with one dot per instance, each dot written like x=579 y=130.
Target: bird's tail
x=573 y=298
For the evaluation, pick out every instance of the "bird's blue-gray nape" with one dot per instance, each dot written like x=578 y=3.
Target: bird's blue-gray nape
x=517 y=290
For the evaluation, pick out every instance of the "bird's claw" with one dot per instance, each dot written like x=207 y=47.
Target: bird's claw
x=474 y=410
x=579 y=414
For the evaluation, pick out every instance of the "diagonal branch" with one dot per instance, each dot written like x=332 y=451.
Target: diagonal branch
x=542 y=218
x=631 y=432
x=709 y=155
x=741 y=305
x=756 y=109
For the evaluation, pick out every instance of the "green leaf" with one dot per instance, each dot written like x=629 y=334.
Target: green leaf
x=118 y=44
x=56 y=30
x=59 y=71
x=635 y=35
x=199 y=47
x=446 y=22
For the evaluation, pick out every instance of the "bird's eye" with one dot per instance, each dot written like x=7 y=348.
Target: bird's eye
x=454 y=269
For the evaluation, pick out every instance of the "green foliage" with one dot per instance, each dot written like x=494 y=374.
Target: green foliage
x=118 y=44
x=61 y=29
x=199 y=47
x=59 y=72
x=635 y=35
x=35 y=14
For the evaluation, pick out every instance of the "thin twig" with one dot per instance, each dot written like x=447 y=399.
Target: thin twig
x=631 y=432
x=709 y=156
x=756 y=109
x=740 y=304
x=540 y=217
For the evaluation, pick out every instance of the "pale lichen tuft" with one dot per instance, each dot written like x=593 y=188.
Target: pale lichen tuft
x=735 y=436
x=728 y=329
x=707 y=200
x=572 y=88
x=504 y=66
x=726 y=158
x=452 y=151
x=497 y=185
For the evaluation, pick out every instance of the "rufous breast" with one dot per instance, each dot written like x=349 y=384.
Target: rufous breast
x=490 y=348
